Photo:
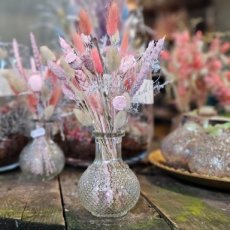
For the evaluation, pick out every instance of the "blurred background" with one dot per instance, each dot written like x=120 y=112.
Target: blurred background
x=18 y=18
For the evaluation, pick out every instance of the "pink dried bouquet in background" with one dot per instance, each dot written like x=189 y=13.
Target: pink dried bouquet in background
x=39 y=85
x=105 y=78
x=197 y=70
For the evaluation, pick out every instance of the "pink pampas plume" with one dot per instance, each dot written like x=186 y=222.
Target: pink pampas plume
x=96 y=61
x=84 y=23
x=112 y=20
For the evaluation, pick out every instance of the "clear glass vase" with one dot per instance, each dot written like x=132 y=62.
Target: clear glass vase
x=108 y=188
x=42 y=158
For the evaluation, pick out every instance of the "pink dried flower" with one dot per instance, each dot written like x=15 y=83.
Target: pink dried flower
x=67 y=92
x=81 y=79
x=119 y=103
x=127 y=62
x=215 y=65
x=70 y=57
x=129 y=81
x=165 y=55
x=57 y=92
x=112 y=20
x=84 y=23
x=64 y=45
x=96 y=61
x=18 y=58
x=57 y=70
x=124 y=44
x=35 y=83
x=88 y=63
x=225 y=47
x=78 y=43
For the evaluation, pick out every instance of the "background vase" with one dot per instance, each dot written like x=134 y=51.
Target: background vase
x=108 y=188
x=42 y=158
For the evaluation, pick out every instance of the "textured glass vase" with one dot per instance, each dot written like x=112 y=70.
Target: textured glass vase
x=108 y=188
x=42 y=158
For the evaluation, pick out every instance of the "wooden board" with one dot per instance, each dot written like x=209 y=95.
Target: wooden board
x=165 y=203
x=29 y=205
x=185 y=206
x=143 y=216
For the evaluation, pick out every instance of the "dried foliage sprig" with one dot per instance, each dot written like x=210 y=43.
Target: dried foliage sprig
x=105 y=79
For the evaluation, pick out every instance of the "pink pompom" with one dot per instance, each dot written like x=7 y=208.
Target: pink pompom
x=119 y=103
x=35 y=83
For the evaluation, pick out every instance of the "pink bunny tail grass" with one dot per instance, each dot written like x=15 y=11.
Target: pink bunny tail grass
x=112 y=20
x=57 y=70
x=36 y=54
x=18 y=58
x=96 y=61
x=85 y=23
x=64 y=45
x=57 y=92
x=124 y=44
x=78 y=43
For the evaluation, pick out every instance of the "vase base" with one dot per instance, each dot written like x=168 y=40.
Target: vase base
x=110 y=215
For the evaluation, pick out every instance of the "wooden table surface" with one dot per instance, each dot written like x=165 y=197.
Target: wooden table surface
x=165 y=203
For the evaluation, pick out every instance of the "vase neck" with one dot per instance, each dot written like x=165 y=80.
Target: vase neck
x=46 y=125
x=108 y=146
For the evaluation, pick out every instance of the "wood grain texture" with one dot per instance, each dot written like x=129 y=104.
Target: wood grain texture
x=25 y=204
x=142 y=217
x=185 y=206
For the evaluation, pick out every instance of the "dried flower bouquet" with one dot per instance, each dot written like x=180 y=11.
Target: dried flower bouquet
x=38 y=84
x=41 y=158
x=107 y=80
x=104 y=77
x=197 y=70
